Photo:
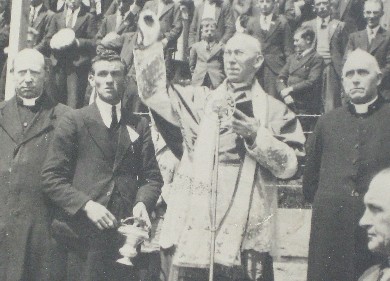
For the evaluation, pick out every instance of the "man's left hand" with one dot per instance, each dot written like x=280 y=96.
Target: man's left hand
x=245 y=126
x=139 y=211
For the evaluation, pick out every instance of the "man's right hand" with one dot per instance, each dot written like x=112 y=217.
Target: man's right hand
x=99 y=215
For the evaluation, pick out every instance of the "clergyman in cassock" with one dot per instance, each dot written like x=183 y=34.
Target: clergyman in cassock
x=348 y=146
x=257 y=143
x=27 y=122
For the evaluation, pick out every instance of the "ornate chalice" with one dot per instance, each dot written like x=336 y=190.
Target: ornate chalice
x=135 y=233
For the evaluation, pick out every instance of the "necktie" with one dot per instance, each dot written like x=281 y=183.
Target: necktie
x=32 y=15
x=69 y=22
x=114 y=120
x=264 y=23
x=372 y=35
x=323 y=24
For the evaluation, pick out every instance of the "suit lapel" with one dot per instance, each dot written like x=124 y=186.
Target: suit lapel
x=363 y=40
x=214 y=51
x=80 y=20
x=10 y=121
x=125 y=23
x=333 y=24
x=62 y=21
x=97 y=130
x=40 y=17
x=343 y=7
x=298 y=64
x=124 y=143
x=166 y=9
x=377 y=41
x=273 y=26
x=217 y=12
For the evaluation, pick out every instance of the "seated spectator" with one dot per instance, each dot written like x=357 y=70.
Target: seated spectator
x=299 y=81
x=218 y=10
x=376 y=221
x=206 y=58
x=121 y=22
x=375 y=40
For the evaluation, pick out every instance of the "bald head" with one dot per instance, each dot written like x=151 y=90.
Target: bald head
x=29 y=73
x=361 y=57
x=376 y=218
x=242 y=58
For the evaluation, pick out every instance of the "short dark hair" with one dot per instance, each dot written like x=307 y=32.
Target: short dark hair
x=307 y=33
x=107 y=56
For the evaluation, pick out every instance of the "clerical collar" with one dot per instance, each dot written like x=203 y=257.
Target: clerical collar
x=363 y=108
x=105 y=110
x=28 y=102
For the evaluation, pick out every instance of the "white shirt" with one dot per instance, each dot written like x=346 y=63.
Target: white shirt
x=119 y=18
x=209 y=10
x=60 y=4
x=98 y=7
x=320 y=20
x=69 y=15
x=371 y=32
x=363 y=108
x=105 y=110
x=265 y=21
x=34 y=12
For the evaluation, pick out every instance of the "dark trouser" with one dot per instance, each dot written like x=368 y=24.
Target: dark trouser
x=255 y=267
x=331 y=88
x=71 y=83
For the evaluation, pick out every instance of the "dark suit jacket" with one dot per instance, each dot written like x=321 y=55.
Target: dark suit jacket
x=338 y=41
x=105 y=5
x=81 y=166
x=170 y=22
x=25 y=214
x=304 y=76
x=85 y=30
x=41 y=24
x=379 y=48
x=203 y=62
x=351 y=12
x=276 y=44
x=224 y=18
x=109 y=25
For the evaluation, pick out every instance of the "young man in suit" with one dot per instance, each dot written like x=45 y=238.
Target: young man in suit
x=218 y=10
x=330 y=43
x=124 y=20
x=72 y=62
x=375 y=40
x=101 y=168
x=299 y=81
x=376 y=221
x=40 y=18
x=27 y=123
x=206 y=58
x=275 y=37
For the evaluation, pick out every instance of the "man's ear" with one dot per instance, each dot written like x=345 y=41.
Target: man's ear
x=91 y=80
x=258 y=61
x=379 y=76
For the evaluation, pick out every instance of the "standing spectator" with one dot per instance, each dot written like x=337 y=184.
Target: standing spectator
x=376 y=221
x=385 y=20
x=206 y=61
x=299 y=81
x=121 y=22
x=331 y=40
x=348 y=146
x=100 y=168
x=171 y=25
x=375 y=40
x=276 y=40
x=27 y=123
x=72 y=59
x=100 y=7
x=218 y=10
x=40 y=18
